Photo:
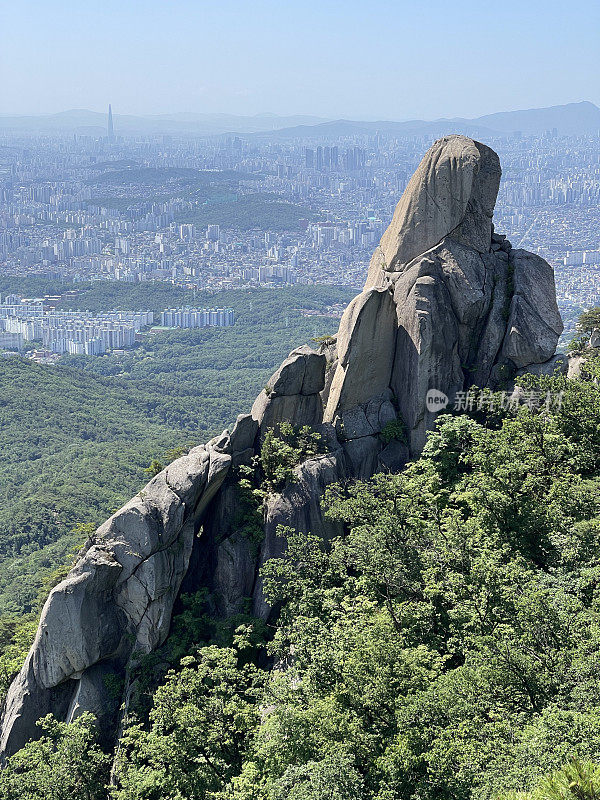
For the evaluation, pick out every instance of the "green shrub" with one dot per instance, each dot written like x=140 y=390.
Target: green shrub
x=395 y=430
x=579 y=780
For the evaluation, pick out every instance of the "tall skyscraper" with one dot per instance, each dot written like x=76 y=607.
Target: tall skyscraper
x=111 y=130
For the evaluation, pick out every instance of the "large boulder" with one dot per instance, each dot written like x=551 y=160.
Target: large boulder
x=116 y=602
x=427 y=347
x=95 y=623
x=303 y=372
x=534 y=323
x=292 y=393
x=367 y=419
x=243 y=433
x=366 y=344
x=299 y=409
x=470 y=310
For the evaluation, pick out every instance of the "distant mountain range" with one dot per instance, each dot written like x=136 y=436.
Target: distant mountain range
x=95 y=123
x=569 y=119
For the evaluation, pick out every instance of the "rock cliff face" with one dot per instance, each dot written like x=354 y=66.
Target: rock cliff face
x=447 y=304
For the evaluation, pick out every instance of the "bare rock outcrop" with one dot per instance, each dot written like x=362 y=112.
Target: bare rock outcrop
x=116 y=603
x=366 y=343
x=292 y=393
x=448 y=304
x=452 y=193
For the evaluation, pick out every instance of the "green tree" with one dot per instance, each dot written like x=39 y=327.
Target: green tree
x=446 y=641
x=334 y=778
x=589 y=320
x=283 y=448
x=153 y=469
x=201 y=724
x=66 y=763
x=16 y=637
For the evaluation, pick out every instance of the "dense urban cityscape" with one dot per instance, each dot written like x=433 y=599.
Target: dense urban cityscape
x=231 y=211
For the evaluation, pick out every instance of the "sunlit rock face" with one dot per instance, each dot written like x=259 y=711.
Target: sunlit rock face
x=452 y=193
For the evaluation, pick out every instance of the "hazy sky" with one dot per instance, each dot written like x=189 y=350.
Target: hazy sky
x=368 y=59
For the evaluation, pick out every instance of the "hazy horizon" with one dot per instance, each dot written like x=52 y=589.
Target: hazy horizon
x=394 y=61
x=371 y=118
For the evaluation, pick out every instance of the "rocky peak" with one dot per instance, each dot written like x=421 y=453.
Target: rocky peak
x=467 y=308
x=448 y=304
x=452 y=193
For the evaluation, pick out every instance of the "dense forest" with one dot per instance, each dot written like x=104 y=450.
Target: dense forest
x=445 y=646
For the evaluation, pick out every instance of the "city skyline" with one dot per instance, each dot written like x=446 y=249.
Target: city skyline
x=235 y=212
x=581 y=118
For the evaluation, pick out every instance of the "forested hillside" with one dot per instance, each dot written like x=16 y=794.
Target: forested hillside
x=77 y=437
x=445 y=646
x=73 y=447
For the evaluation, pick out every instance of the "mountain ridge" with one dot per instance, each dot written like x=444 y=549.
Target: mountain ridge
x=577 y=118
x=74 y=120
x=570 y=118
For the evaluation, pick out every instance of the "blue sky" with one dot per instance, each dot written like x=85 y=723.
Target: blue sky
x=371 y=59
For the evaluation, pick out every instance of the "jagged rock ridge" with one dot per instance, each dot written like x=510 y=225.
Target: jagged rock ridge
x=447 y=304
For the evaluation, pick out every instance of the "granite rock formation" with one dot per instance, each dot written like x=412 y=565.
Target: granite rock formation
x=448 y=304
x=470 y=309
